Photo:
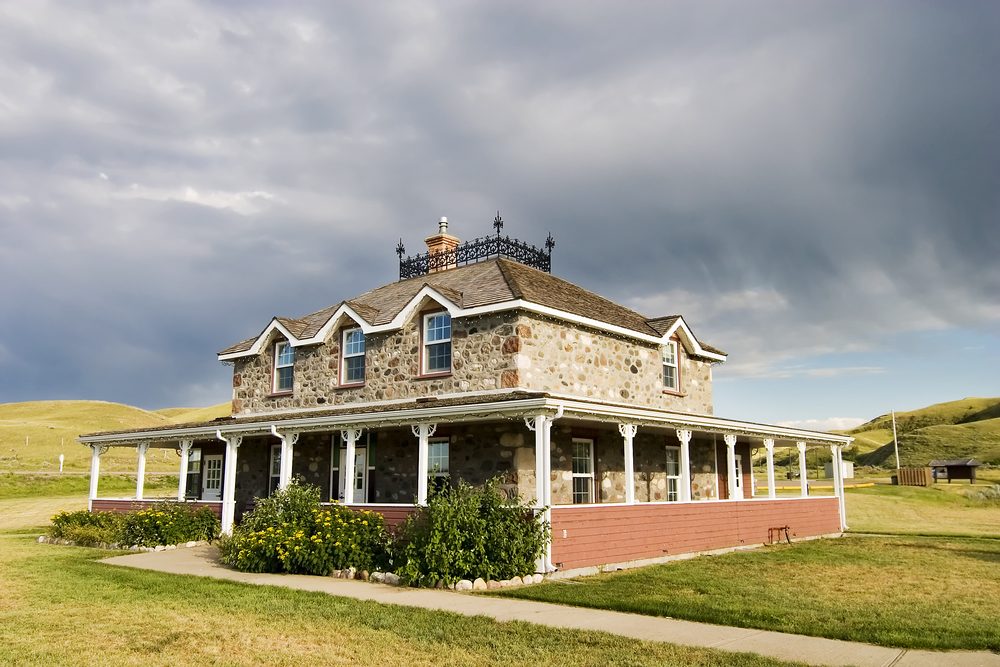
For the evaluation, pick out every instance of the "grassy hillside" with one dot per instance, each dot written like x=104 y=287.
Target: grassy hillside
x=184 y=415
x=33 y=434
x=957 y=429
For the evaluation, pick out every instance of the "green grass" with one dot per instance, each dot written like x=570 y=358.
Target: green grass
x=36 y=486
x=59 y=607
x=904 y=592
x=942 y=509
x=969 y=427
x=33 y=434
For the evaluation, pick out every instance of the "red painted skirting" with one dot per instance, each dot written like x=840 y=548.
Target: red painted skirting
x=588 y=536
x=130 y=505
x=393 y=514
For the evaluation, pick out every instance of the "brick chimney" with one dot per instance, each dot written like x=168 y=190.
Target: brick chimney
x=442 y=242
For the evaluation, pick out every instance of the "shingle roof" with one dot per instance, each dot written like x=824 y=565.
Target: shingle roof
x=943 y=463
x=482 y=284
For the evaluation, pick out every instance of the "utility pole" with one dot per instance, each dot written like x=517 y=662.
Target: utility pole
x=895 y=442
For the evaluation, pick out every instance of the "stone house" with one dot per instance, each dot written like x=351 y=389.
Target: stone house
x=478 y=363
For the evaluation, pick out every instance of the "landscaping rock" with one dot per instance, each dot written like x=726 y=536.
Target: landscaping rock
x=350 y=573
x=516 y=581
x=479 y=584
x=41 y=539
x=363 y=575
x=336 y=574
x=191 y=544
x=158 y=547
x=377 y=577
x=537 y=578
x=505 y=583
x=463 y=585
x=492 y=585
x=392 y=579
x=170 y=547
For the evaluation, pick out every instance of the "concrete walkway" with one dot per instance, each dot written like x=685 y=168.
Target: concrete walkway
x=203 y=561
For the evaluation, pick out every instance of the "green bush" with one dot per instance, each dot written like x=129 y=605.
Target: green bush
x=167 y=523
x=465 y=532
x=291 y=532
x=87 y=528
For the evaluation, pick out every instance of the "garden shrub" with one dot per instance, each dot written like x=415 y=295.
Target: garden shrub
x=988 y=496
x=166 y=523
x=87 y=528
x=291 y=532
x=465 y=532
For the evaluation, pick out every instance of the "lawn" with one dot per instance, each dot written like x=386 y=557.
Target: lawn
x=905 y=592
x=942 y=509
x=59 y=607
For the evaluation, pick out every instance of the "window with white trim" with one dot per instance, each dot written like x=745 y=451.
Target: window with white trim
x=437 y=343
x=583 y=471
x=193 y=488
x=670 y=376
x=354 y=357
x=284 y=367
x=673 y=473
x=437 y=457
x=274 y=478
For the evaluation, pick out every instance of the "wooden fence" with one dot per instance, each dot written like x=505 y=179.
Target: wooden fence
x=915 y=477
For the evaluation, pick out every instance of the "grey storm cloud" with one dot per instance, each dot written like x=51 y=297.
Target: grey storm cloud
x=795 y=178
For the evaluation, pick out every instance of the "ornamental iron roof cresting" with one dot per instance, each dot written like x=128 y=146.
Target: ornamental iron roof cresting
x=477 y=250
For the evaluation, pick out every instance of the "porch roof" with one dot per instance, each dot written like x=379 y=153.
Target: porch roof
x=458 y=407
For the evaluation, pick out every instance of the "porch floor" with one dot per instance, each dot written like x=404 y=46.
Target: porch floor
x=204 y=561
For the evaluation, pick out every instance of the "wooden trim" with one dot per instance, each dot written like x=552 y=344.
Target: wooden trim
x=421 y=372
x=342 y=359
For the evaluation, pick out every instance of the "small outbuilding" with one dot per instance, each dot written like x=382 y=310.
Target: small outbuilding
x=954 y=469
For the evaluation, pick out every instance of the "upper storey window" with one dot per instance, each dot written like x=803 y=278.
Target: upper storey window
x=354 y=357
x=437 y=343
x=284 y=367
x=670 y=375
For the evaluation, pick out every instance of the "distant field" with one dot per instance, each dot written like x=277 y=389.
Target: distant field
x=944 y=509
x=33 y=434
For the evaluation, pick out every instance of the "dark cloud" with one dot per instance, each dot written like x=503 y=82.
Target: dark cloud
x=796 y=178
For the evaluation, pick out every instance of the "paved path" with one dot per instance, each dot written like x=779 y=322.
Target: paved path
x=203 y=561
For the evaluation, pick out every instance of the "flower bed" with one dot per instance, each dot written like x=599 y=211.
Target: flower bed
x=168 y=523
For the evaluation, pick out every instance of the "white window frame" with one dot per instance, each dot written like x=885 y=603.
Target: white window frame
x=278 y=365
x=676 y=479
x=425 y=368
x=344 y=356
x=671 y=348
x=592 y=491
x=431 y=470
x=274 y=477
x=193 y=490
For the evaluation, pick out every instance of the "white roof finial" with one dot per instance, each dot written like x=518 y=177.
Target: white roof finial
x=443 y=225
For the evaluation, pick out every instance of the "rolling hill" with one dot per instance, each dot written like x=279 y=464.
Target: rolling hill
x=969 y=427
x=33 y=434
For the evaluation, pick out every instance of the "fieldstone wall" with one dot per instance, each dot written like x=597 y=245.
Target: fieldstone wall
x=558 y=357
x=483 y=357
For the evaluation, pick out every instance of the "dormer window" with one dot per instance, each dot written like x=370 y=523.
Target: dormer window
x=284 y=367
x=353 y=357
x=437 y=343
x=670 y=376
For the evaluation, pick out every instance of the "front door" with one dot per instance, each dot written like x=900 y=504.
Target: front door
x=739 y=477
x=211 y=488
x=360 y=476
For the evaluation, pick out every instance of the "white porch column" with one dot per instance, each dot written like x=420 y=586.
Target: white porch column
x=772 y=493
x=840 y=476
x=628 y=432
x=350 y=437
x=684 y=435
x=803 y=470
x=229 y=482
x=423 y=432
x=95 y=473
x=185 y=450
x=536 y=425
x=838 y=486
x=731 y=464
x=140 y=471
x=288 y=442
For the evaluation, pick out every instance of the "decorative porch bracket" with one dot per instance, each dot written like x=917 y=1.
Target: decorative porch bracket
x=731 y=464
x=350 y=437
x=628 y=432
x=684 y=436
x=423 y=432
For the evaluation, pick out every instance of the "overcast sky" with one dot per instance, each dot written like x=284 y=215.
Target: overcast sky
x=814 y=186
